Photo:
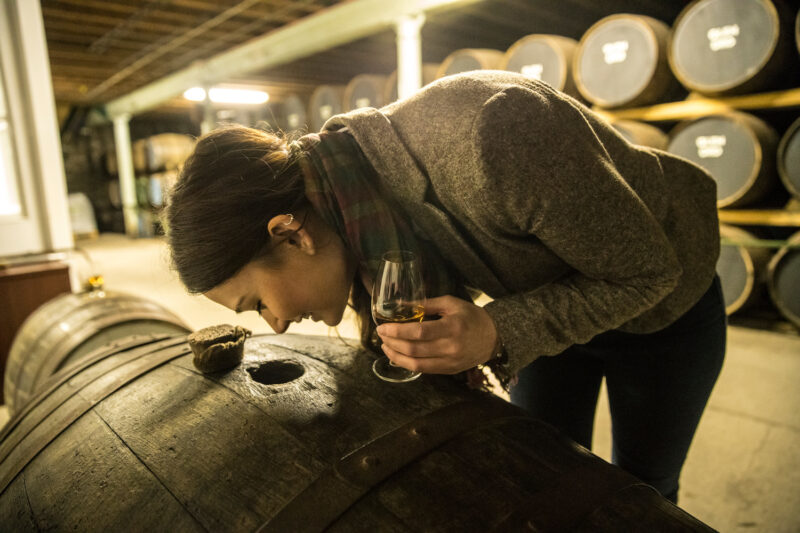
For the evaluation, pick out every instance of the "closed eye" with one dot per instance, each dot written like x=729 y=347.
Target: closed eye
x=259 y=307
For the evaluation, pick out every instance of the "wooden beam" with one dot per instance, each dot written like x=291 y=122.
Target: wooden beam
x=343 y=23
x=147 y=25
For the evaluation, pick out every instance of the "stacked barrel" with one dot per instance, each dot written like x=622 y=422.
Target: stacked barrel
x=713 y=49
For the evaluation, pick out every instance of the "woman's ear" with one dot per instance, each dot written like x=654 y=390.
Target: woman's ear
x=288 y=228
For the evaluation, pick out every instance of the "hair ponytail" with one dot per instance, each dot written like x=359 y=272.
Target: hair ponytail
x=234 y=182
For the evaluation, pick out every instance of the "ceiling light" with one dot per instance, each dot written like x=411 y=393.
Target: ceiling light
x=195 y=94
x=227 y=96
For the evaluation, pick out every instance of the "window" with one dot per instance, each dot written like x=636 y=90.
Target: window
x=10 y=203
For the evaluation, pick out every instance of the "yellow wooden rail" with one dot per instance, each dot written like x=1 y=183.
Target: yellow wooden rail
x=703 y=106
x=760 y=217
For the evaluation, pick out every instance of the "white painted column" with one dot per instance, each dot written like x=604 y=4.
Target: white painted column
x=31 y=148
x=127 y=176
x=209 y=121
x=409 y=54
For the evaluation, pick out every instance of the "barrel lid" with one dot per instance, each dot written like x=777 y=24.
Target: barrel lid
x=293 y=104
x=326 y=101
x=462 y=62
x=789 y=158
x=616 y=60
x=720 y=44
x=291 y=113
x=725 y=147
x=733 y=266
x=365 y=90
x=537 y=57
x=784 y=279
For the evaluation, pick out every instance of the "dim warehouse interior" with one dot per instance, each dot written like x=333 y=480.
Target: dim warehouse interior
x=101 y=102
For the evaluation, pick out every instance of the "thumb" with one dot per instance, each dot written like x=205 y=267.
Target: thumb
x=442 y=305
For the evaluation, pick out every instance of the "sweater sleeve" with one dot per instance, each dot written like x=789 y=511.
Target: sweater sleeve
x=547 y=176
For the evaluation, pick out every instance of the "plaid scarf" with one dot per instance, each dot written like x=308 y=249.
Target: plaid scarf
x=344 y=189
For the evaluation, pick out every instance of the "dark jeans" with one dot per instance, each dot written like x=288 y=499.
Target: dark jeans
x=658 y=385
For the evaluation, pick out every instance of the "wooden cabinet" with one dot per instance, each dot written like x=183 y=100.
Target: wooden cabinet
x=23 y=288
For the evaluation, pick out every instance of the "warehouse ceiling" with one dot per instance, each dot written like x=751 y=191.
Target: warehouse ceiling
x=103 y=49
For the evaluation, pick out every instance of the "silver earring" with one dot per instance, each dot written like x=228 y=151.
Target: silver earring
x=291 y=219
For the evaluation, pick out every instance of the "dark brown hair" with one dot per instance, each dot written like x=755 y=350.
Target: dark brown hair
x=234 y=182
x=217 y=213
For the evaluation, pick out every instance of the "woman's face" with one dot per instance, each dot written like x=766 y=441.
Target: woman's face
x=305 y=280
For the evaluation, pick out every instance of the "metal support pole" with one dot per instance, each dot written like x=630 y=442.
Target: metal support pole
x=127 y=177
x=409 y=54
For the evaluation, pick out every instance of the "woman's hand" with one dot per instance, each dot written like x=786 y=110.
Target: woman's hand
x=464 y=336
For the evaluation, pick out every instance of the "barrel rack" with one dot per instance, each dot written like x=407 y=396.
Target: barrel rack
x=696 y=107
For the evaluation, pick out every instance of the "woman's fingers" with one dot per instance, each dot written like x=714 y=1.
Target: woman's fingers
x=463 y=337
x=426 y=365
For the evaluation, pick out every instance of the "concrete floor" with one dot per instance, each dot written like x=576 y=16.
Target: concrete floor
x=743 y=470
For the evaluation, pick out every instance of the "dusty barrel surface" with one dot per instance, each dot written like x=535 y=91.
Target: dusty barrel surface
x=737 y=149
x=67 y=328
x=544 y=57
x=300 y=437
x=621 y=61
x=783 y=279
x=734 y=46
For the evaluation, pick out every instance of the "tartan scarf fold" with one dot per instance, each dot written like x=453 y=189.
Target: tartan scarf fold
x=344 y=189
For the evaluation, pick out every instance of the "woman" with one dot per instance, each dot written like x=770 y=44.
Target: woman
x=594 y=251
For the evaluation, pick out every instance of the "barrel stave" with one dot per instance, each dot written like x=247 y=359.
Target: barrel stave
x=15 y=508
x=643 y=506
x=231 y=472
x=92 y=481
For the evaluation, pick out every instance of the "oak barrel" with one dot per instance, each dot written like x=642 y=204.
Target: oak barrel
x=365 y=90
x=642 y=133
x=742 y=268
x=737 y=149
x=467 y=59
x=734 y=46
x=621 y=61
x=326 y=101
x=300 y=437
x=289 y=114
x=783 y=279
x=429 y=71
x=797 y=31
x=789 y=159
x=68 y=327
x=164 y=151
x=544 y=57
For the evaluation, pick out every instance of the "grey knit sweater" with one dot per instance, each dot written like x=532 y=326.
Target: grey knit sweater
x=540 y=204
